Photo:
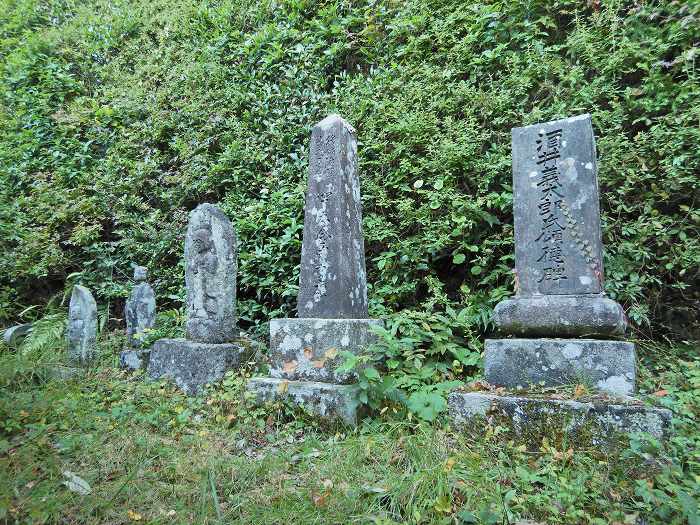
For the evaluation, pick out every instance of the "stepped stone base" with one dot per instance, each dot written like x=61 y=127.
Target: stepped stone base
x=192 y=365
x=326 y=400
x=561 y=316
x=582 y=423
x=132 y=359
x=310 y=349
x=609 y=366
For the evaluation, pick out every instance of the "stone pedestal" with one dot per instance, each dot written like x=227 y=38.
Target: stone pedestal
x=191 y=365
x=608 y=366
x=582 y=423
x=304 y=355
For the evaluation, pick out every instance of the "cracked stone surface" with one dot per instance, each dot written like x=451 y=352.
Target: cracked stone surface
x=310 y=349
x=327 y=401
x=191 y=365
x=561 y=316
x=609 y=366
x=333 y=278
x=583 y=422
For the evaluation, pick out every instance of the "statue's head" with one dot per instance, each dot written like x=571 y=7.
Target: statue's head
x=140 y=273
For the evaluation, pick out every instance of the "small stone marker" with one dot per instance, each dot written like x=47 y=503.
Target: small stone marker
x=140 y=314
x=332 y=278
x=332 y=300
x=559 y=294
x=210 y=280
x=82 y=326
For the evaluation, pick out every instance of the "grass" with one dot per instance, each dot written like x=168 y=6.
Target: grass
x=152 y=455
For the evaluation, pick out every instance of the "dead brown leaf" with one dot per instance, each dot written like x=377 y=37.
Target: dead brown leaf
x=290 y=366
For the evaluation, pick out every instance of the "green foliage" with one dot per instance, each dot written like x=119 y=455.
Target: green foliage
x=117 y=118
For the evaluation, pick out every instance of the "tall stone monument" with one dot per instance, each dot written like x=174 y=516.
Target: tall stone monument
x=561 y=327
x=209 y=349
x=332 y=300
x=140 y=315
x=82 y=326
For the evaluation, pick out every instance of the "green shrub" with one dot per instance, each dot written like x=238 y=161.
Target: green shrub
x=118 y=117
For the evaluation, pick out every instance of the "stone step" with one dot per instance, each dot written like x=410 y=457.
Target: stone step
x=325 y=400
x=578 y=422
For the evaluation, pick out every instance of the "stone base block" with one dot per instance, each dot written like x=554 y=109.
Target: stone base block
x=65 y=373
x=582 y=423
x=310 y=349
x=561 y=316
x=192 y=365
x=132 y=359
x=609 y=366
x=326 y=400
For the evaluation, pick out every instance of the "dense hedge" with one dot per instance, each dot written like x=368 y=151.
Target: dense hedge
x=119 y=116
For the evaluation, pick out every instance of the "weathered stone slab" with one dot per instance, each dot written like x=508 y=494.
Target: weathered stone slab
x=82 y=326
x=14 y=335
x=134 y=359
x=609 y=366
x=140 y=309
x=584 y=423
x=558 y=247
x=310 y=349
x=332 y=279
x=191 y=365
x=327 y=401
x=561 y=316
x=210 y=276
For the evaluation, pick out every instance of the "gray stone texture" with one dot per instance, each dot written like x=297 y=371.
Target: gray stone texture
x=558 y=246
x=582 y=422
x=327 y=401
x=140 y=309
x=191 y=365
x=609 y=366
x=332 y=279
x=131 y=359
x=561 y=316
x=310 y=349
x=14 y=335
x=82 y=326
x=210 y=276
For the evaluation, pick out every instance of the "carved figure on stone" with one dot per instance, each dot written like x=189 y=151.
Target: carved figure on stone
x=82 y=325
x=140 y=310
x=210 y=276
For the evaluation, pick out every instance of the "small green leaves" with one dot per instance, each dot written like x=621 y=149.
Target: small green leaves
x=458 y=258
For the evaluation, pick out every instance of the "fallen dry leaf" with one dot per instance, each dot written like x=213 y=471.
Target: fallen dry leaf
x=449 y=464
x=318 y=499
x=308 y=352
x=290 y=366
x=579 y=391
x=134 y=516
x=331 y=353
x=661 y=393
x=283 y=387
